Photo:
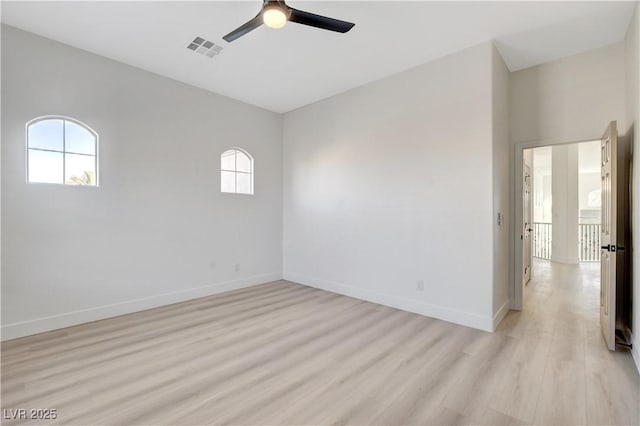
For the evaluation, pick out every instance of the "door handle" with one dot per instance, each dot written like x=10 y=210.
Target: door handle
x=612 y=248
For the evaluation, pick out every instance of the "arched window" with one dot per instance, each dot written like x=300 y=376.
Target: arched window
x=61 y=150
x=236 y=172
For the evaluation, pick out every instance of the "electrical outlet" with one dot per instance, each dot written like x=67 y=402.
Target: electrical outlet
x=420 y=285
x=237 y=267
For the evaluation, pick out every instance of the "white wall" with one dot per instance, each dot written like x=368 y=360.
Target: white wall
x=589 y=181
x=571 y=99
x=157 y=230
x=392 y=183
x=564 y=203
x=501 y=195
x=542 y=184
x=632 y=69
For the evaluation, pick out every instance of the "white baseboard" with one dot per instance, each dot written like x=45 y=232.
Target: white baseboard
x=499 y=316
x=54 y=322
x=398 y=302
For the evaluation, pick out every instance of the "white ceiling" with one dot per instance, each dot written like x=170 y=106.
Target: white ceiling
x=281 y=70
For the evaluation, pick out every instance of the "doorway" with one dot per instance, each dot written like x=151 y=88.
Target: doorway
x=561 y=208
x=571 y=226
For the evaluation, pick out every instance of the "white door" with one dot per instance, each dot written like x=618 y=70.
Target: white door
x=608 y=241
x=527 y=226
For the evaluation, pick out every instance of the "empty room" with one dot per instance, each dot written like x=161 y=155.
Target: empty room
x=320 y=212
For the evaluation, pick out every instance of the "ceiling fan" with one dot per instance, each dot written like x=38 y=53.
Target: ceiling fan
x=276 y=13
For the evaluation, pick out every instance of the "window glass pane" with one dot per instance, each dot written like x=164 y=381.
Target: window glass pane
x=228 y=160
x=244 y=183
x=243 y=162
x=78 y=139
x=46 y=134
x=80 y=170
x=228 y=181
x=45 y=166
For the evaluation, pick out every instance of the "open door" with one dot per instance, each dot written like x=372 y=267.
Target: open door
x=527 y=225
x=608 y=237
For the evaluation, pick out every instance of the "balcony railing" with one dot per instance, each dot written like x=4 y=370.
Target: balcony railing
x=588 y=241
x=542 y=240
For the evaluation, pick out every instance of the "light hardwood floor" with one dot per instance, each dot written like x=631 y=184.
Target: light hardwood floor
x=285 y=354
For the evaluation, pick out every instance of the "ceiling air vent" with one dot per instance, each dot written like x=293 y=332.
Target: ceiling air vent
x=204 y=47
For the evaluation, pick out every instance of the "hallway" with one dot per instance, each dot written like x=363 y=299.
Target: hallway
x=562 y=372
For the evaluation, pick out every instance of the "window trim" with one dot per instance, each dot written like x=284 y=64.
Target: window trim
x=251 y=173
x=63 y=152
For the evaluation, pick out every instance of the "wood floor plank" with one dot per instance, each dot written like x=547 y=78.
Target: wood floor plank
x=218 y=364
x=519 y=389
x=75 y=333
x=50 y=374
x=492 y=417
x=285 y=354
x=475 y=390
x=294 y=363
x=562 y=399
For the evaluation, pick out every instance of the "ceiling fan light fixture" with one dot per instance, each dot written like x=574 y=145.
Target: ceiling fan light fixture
x=276 y=14
x=274 y=17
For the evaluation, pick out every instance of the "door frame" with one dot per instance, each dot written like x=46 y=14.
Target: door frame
x=525 y=231
x=516 y=290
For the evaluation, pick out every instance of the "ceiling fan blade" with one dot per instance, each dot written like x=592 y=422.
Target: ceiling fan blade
x=318 y=21
x=244 y=29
